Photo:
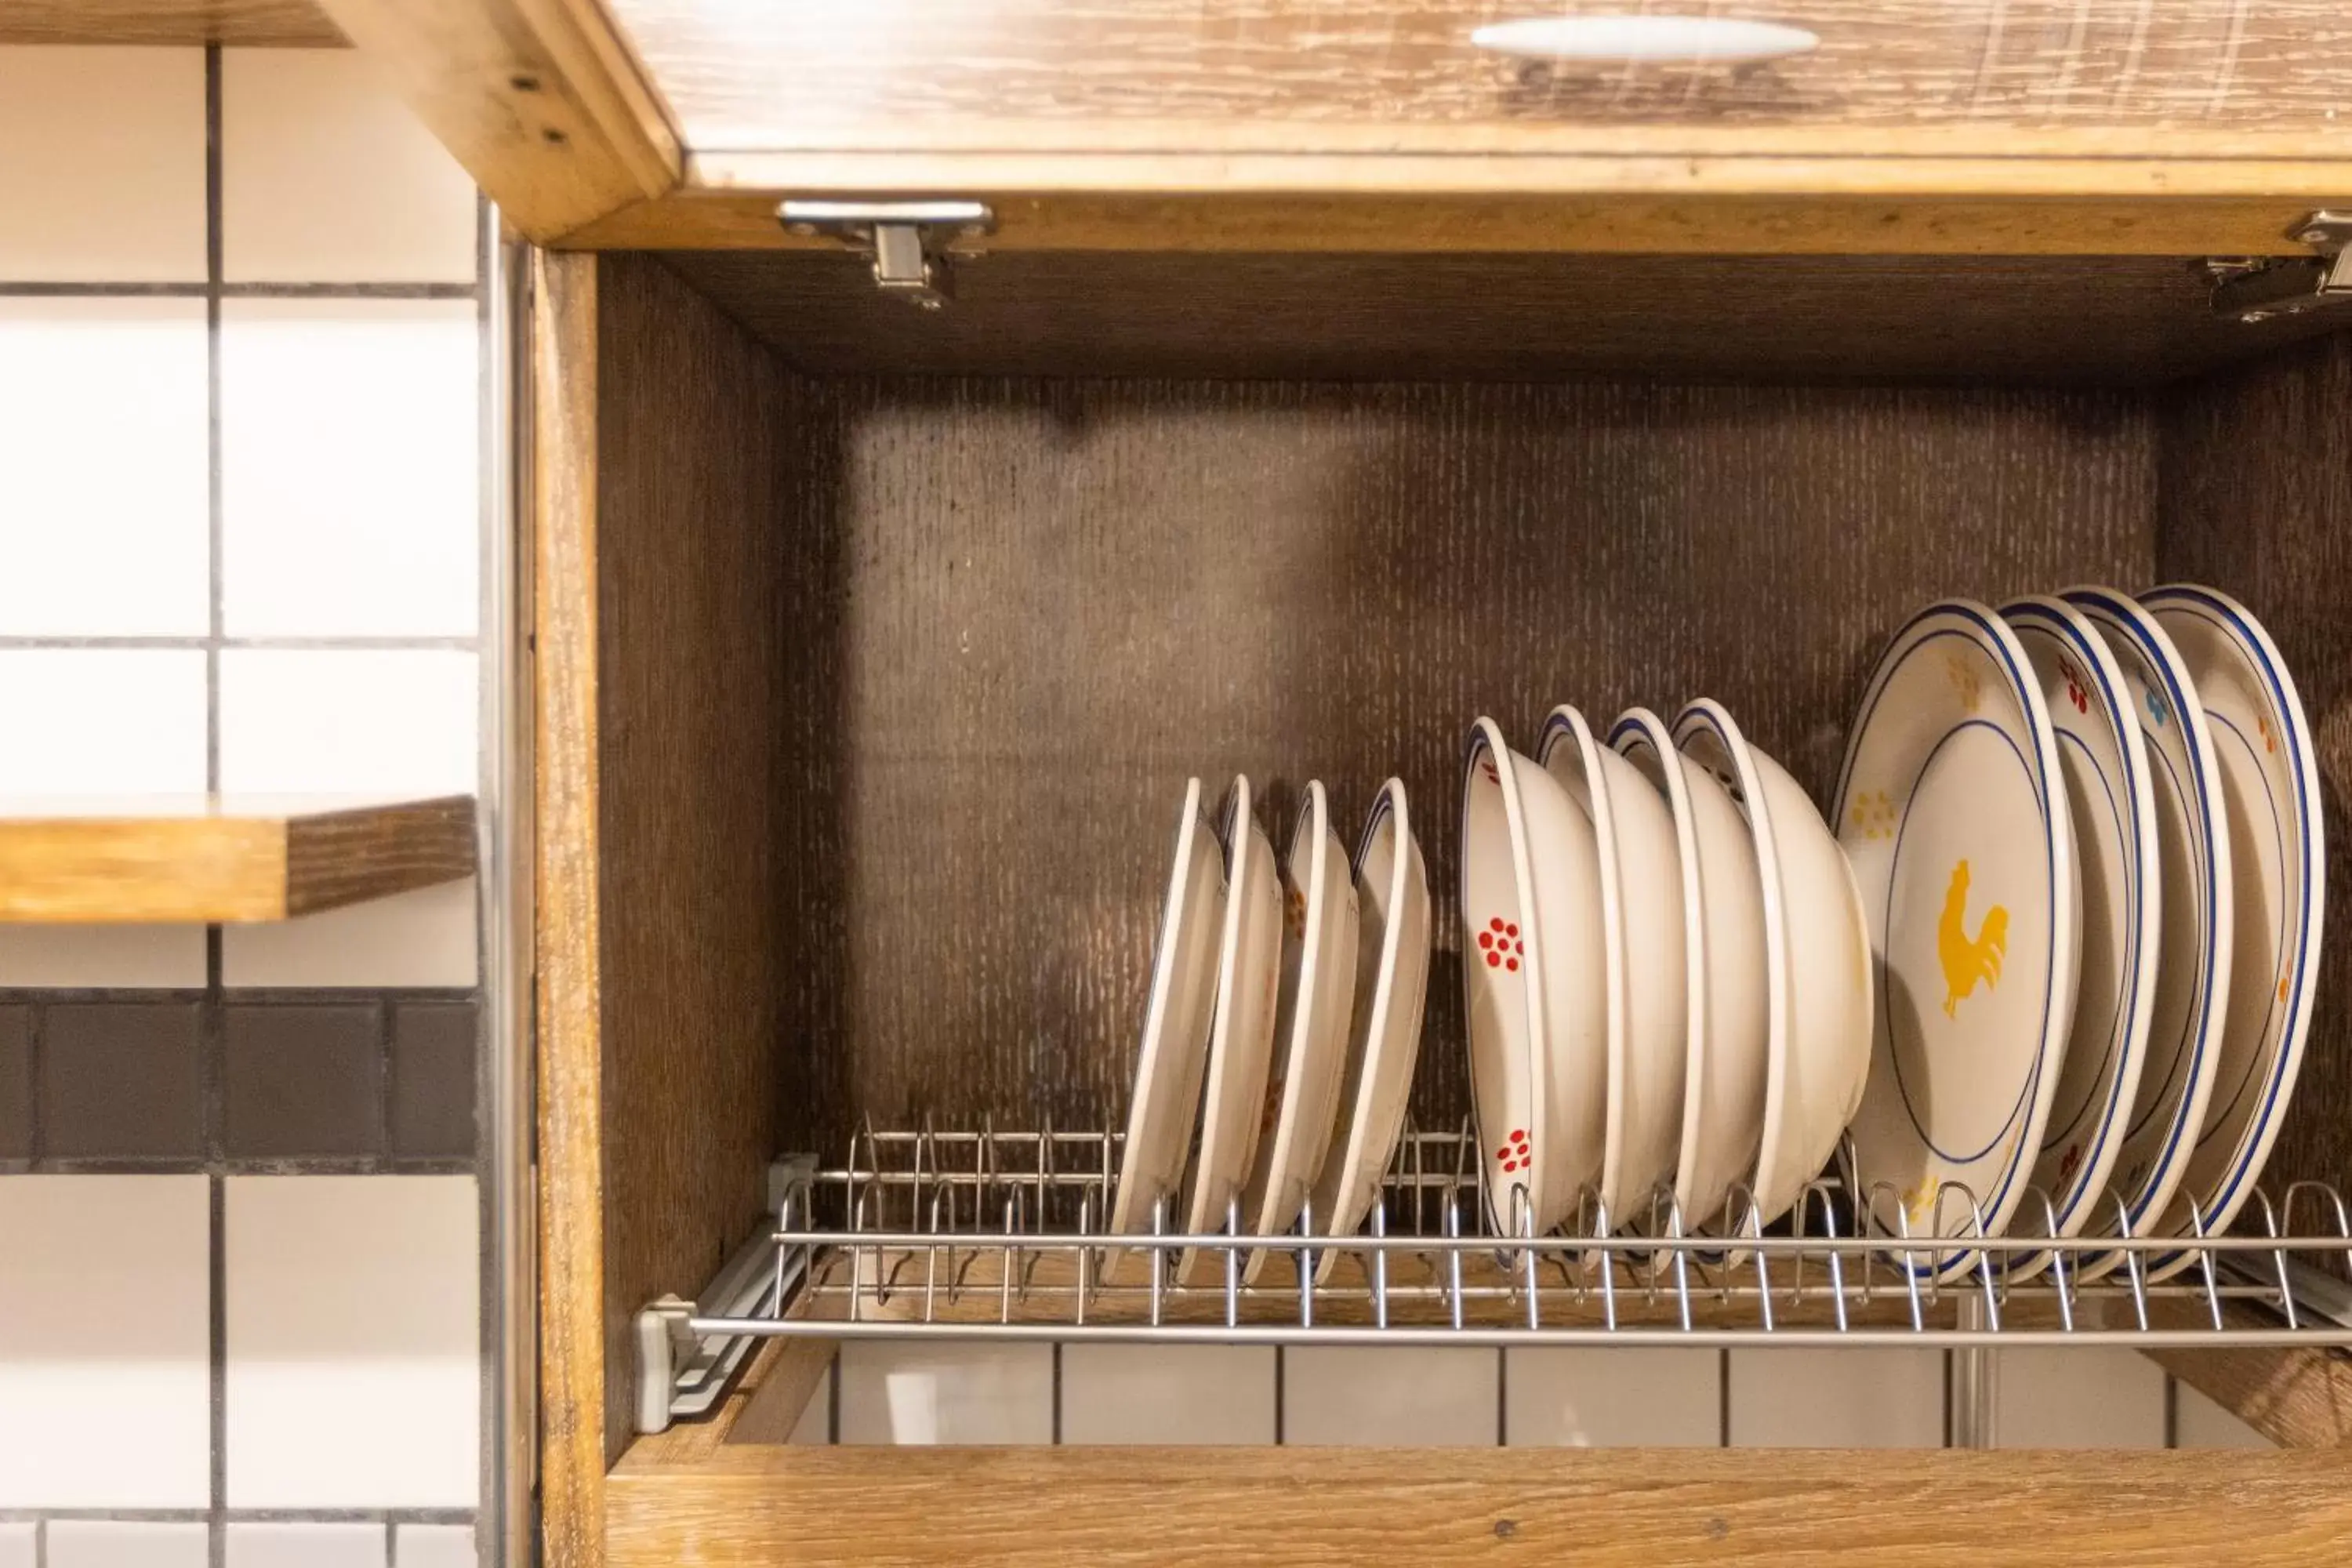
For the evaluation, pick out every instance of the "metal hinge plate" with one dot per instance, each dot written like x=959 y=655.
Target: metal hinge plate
x=2260 y=288
x=907 y=240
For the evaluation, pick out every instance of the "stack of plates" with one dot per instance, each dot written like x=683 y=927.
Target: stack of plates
x=1284 y=1024
x=2087 y=834
x=1668 y=977
x=2052 y=969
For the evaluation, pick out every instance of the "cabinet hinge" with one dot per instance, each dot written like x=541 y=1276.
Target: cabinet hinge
x=907 y=240
x=2258 y=288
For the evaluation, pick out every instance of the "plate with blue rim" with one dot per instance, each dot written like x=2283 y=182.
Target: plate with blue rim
x=2195 y=942
x=1952 y=810
x=2112 y=804
x=2278 y=857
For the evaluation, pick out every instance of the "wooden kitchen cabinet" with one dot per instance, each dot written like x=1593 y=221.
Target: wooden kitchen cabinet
x=1312 y=382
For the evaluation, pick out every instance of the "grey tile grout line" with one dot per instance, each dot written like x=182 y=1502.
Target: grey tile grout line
x=491 y=1499
x=1723 y=1398
x=181 y=644
x=2171 y=1411
x=211 y=1025
x=1501 y=1396
x=40 y=291
x=36 y=1029
x=239 y=1515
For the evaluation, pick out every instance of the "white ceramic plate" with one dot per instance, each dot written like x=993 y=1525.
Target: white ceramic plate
x=2278 y=859
x=1532 y=979
x=1647 y=986
x=1310 y=1023
x=2112 y=809
x=1175 y=1046
x=1723 y=949
x=1953 y=813
x=1384 y=1024
x=1645 y=40
x=2193 y=950
x=1241 y=1042
x=1817 y=962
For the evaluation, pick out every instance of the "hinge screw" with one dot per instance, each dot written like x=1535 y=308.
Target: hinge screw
x=2314 y=237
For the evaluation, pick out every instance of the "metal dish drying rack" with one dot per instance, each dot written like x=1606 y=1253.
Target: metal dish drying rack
x=1005 y=1235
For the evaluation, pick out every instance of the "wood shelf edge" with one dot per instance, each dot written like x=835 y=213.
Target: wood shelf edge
x=225 y=861
x=2297 y=1396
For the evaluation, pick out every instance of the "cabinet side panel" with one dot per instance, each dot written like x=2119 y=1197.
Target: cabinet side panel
x=2255 y=498
x=691 y=636
x=1050 y=602
x=563 y=492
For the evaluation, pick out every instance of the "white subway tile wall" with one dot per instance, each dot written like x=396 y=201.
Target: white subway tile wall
x=2198 y=1423
x=1386 y=1398
x=327 y=178
x=101 y=722
x=243 y=347
x=127 y=1544
x=352 y=1341
x=307 y=1546
x=1608 y=1398
x=345 y=425
x=1181 y=1393
x=105 y=1371
x=91 y=544
x=1837 y=1399
x=927 y=1393
x=102 y=165
x=2066 y=1398
x=433 y=1546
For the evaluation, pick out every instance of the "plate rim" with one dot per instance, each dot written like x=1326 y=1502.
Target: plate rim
x=2261 y=1137
x=1486 y=735
x=2108 y=607
x=2074 y=1209
x=1780 y=1031
x=1163 y=985
x=1971 y=616
x=1389 y=806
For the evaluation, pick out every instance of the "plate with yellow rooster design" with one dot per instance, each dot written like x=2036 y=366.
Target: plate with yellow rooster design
x=2270 y=794
x=1952 y=811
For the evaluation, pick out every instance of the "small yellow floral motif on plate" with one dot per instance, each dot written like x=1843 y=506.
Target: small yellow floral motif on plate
x=1873 y=814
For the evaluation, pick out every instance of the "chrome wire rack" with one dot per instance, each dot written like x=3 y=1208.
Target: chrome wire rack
x=999 y=1234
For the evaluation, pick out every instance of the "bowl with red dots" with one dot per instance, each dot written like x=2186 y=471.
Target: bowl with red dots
x=1531 y=974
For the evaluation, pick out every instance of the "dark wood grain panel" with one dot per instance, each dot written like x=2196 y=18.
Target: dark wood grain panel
x=1024 y=611
x=292 y=23
x=1256 y=75
x=696 y=822
x=2256 y=498
x=1321 y=316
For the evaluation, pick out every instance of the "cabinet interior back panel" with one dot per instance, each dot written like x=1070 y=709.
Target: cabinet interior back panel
x=1020 y=614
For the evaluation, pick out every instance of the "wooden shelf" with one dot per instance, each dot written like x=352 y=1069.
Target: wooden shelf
x=227 y=859
x=278 y=24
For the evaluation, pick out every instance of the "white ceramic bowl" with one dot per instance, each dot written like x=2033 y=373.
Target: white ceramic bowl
x=1532 y=979
x=1317 y=994
x=1647 y=984
x=1814 y=938
x=1384 y=1026
x=1723 y=945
